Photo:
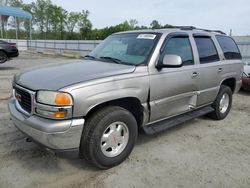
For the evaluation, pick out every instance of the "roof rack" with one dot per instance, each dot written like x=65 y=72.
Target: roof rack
x=194 y=28
x=208 y=30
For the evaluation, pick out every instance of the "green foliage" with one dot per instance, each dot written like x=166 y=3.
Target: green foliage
x=155 y=24
x=16 y=3
x=85 y=25
x=53 y=22
x=72 y=20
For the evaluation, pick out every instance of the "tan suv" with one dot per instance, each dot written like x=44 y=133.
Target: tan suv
x=150 y=80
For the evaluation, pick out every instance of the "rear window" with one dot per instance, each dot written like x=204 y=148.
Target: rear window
x=206 y=49
x=228 y=47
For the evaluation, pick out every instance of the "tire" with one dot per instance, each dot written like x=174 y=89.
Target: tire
x=3 y=57
x=219 y=112
x=101 y=131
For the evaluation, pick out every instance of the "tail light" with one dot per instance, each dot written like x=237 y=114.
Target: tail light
x=12 y=45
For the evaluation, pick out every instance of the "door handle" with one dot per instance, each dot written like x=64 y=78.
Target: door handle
x=195 y=74
x=220 y=70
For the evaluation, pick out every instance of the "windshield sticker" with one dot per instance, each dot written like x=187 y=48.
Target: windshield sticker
x=146 y=36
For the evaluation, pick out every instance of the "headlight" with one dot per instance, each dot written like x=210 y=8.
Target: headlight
x=54 y=98
x=55 y=105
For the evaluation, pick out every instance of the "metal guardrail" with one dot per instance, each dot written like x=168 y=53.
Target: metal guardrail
x=83 y=47
x=60 y=46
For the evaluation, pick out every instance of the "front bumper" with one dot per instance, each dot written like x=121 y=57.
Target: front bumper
x=58 y=136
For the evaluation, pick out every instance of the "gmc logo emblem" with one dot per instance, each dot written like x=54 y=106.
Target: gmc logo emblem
x=18 y=97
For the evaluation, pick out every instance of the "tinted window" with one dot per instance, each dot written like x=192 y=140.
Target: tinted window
x=206 y=49
x=180 y=46
x=229 y=47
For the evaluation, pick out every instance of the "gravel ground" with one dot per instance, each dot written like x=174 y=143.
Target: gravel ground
x=199 y=153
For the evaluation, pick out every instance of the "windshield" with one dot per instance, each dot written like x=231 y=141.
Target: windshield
x=129 y=48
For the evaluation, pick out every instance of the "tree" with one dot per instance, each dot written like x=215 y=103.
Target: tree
x=133 y=23
x=53 y=22
x=85 y=24
x=62 y=20
x=16 y=3
x=40 y=13
x=27 y=27
x=72 y=20
x=155 y=24
x=168 y=26
x=53 y=17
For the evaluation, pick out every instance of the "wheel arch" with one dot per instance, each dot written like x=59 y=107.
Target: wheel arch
x=2 y=50
x=132 y=104
x=230 y=82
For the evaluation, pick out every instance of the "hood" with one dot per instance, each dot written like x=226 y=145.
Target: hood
x=247 y=69
x=57 y=76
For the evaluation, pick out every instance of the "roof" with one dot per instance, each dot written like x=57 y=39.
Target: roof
x=178 y=29
x=14 y=11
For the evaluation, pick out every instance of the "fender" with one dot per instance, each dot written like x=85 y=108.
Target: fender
x=92 y=95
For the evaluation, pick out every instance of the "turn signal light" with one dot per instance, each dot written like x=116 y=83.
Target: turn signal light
x=63 y=99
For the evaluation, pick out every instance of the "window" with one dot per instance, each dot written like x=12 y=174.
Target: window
x=229 y=47
x=129 y=48
x=114 y=47
x=180 y=46
x=206 y=49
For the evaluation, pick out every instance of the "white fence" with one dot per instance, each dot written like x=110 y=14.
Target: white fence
x=83 y=47
x=244 y=46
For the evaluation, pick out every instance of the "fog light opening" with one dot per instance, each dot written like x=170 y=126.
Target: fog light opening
x=61 y=114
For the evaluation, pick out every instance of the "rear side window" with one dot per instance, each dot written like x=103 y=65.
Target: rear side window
x=206 y=49
x=229 y=47
x=180 y=46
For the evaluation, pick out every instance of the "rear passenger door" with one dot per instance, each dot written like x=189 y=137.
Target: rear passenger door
x=209 y=69
x=232 y=60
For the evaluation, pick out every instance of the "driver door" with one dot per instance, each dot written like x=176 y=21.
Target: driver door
x=174 y=90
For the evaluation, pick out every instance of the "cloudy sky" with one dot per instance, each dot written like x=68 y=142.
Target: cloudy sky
x=213 y=14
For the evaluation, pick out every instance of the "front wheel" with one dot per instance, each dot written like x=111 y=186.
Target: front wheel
x=222 y=104
x=109 y=137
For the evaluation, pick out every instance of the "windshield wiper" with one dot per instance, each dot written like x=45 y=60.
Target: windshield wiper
x=115 y=60
x=89 y=57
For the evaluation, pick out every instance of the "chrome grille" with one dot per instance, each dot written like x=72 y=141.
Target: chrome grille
x=24 y=99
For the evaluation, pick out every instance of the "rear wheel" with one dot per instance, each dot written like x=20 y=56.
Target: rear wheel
x=109 y=137
x=222 y=104
x=3 y=57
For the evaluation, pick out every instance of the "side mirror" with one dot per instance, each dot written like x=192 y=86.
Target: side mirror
x=171 y=61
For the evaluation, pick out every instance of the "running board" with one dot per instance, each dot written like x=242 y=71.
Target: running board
x=171 y=122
